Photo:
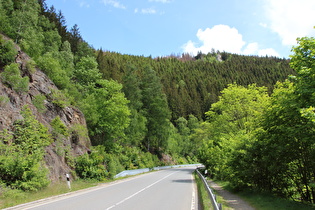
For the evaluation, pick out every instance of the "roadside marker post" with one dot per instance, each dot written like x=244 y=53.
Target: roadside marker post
x=68 y=181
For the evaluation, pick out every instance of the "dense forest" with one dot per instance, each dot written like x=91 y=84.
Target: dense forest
x=243 y=117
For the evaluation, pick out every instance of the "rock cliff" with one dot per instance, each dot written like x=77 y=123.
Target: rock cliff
x=60 y=154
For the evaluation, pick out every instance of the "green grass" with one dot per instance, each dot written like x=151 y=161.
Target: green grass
x=264 y=201
x=203 y=196
x=14 y=197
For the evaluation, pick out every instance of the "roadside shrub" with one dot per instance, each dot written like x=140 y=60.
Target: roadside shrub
x=92 y=166
x=30 y=65
x=59 y=133
x=7 y=52
x=12 y=77
x=59 y=99
x=22 y=152
x=38 y=102
x=59 y=128
x=79 y=133
x=4 y=100
x=113 y=165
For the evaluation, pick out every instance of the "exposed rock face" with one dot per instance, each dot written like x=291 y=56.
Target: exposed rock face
x=71 y=146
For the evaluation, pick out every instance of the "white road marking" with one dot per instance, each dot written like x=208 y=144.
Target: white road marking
x=143 y=189
x=45 y=201
x=193 y=197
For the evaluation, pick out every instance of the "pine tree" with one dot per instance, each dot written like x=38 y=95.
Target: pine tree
x=156 y=112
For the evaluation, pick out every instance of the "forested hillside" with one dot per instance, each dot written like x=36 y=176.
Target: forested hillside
x=225 y=110
x=190 y=83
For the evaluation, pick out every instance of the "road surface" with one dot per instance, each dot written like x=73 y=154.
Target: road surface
x=166 y=189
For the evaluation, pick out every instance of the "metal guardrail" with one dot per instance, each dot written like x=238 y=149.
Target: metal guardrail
x=144 y=170
x=215 y=204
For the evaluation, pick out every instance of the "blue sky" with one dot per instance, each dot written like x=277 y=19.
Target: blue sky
x=165 y=27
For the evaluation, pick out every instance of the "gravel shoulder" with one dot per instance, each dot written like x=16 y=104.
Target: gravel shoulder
x=232 y=200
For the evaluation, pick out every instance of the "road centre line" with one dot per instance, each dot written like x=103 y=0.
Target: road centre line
x=143 y=189
x=193 y=197
x=45 y=201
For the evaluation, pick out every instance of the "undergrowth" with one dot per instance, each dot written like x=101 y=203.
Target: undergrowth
x=265 y=201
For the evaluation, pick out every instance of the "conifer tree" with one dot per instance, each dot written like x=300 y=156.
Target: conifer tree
x=131 y=87
x=156 y=112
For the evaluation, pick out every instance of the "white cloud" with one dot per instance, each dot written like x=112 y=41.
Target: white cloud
x=251 y=49
x=291 y=18
x=269 y=52
x=162 y=1
x=264 y=25
x=220 y=37
x=225 y=38
x=84 y=4
x=190 y=47
x=114 y=3
x=146 y=11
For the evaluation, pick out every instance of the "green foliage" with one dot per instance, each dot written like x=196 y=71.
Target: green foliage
x=59 y=128
x=39 y=102
x=92 y=166
x=231 y=123
x=6 y=8
x=52 y=67
x=287 y=129
x=137 y=129
x=21 y=154
x=280 y=158
x=59 y=133
x=182 y=143
x=79 y=133
x=66 y=58
x=107 y=113
x=7 y=52
x=191 y=85
x=86 y=71
x=101 y=165
x=12 y=77
x=113 y=165
x=24 y=18
x=31 y=135
x=4 y=100
x=30 y=65
x=156 y=111
x=59 y=99
x=133 y=158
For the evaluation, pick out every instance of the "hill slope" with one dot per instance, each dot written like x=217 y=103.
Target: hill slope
x=192 y=84
x=42 y=99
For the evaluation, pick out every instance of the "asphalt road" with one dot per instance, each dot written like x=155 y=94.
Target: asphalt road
x=166 y=189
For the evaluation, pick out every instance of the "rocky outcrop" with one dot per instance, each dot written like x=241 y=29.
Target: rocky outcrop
x=59 y=155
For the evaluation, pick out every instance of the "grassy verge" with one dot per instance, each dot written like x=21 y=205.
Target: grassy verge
x=14 y=197
x=265 y=201
x=203 y=196
x=11 y=197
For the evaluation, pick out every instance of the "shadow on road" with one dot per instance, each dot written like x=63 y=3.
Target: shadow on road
x=183 y=180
